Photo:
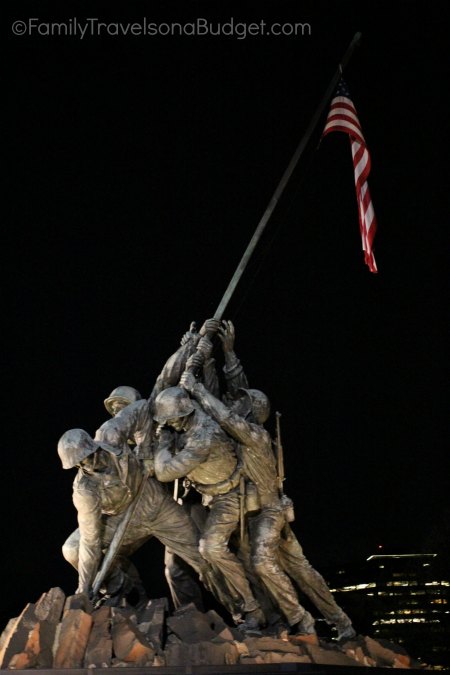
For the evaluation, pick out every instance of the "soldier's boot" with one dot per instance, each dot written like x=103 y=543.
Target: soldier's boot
x=345 y=630
x=304 y=630
x=253 y=622
x=141 y=593
x=120 y=585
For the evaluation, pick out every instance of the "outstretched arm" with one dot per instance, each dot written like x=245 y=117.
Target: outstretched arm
x=233 y=370
x=236 y=426
x=175 y=364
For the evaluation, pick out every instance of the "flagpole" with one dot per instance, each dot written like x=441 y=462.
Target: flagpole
x=285 y=177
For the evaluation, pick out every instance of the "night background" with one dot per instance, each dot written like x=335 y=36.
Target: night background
x=137 y=169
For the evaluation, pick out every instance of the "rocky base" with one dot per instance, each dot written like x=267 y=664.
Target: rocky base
x=58 y=632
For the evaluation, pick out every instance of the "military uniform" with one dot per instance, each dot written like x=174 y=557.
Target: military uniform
x=206 y=456
x=102 y=493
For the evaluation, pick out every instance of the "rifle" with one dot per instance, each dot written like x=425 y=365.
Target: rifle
x=286 y=501
x=242 y=507
x=280 y=458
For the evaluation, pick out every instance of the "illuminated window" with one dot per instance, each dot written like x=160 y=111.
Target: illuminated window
x=357 y=587
x=398 y=583
x=409 y=611
x=384 y=622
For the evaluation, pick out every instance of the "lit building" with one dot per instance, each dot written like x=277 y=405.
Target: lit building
x=403 y=598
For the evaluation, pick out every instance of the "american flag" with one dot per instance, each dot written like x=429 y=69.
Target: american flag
x=343 y=117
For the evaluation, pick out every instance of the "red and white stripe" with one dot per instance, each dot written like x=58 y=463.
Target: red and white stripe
x=343 y=117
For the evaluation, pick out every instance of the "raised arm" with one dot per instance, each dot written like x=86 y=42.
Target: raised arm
x=235 y=425
x=176 y=363
x=233 y=370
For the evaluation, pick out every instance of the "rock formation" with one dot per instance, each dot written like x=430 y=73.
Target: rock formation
x=59 y=632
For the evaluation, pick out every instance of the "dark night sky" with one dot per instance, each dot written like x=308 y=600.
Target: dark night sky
x=138 y=169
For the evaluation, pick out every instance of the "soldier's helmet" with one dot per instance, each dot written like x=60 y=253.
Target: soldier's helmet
x=172 y=403
x=74 y=446
x=260 y=404
x=122 y=394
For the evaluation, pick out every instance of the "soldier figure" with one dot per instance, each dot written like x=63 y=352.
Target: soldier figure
x=206 y=456
x=108 y=480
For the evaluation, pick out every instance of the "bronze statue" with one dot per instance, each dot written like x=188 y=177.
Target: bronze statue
x=274 y=547
x=212 y=443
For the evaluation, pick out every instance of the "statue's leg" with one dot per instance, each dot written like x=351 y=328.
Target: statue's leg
x=182 y=582
x=265 y=531
x=222 y=520
x=242 y=548
x=311 y=583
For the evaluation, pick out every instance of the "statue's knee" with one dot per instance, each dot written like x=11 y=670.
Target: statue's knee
x=306 y=566
x=211 y=549
x=168 y=574
x=70 y=553
x=260 y=565
x=264 y=563
x=174 y=570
